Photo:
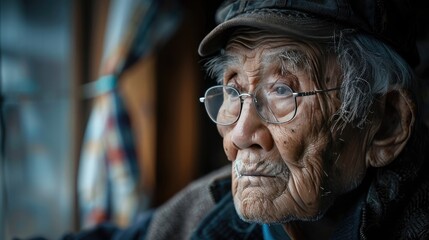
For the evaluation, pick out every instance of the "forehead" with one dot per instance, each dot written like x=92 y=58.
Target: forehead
x=265 y=48
x=262 y=52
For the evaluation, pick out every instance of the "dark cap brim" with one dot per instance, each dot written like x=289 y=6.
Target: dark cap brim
x=290 y=23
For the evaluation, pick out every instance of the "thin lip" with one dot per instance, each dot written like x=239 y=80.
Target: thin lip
x=252 y=173
x=255 y=170
x=256 y=174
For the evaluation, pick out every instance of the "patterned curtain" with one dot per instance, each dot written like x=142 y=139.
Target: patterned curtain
x=108 y=170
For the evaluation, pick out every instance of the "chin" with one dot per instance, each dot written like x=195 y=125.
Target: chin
x=260 y=210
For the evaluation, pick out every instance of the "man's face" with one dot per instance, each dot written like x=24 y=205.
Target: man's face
x=295 y=170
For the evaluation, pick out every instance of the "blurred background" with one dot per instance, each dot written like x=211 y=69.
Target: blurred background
x=100 y=111
x=100 y=117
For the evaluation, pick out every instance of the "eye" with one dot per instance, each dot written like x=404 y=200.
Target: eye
x=231 y=91
x=230 y=78
x=281 y=90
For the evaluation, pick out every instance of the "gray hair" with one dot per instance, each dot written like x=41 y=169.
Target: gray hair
x=369 y=69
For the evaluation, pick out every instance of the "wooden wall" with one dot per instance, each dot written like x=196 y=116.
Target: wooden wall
x=176 y=141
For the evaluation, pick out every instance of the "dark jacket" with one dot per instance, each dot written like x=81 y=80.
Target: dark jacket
x=391 y=203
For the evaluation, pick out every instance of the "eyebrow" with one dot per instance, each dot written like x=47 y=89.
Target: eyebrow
x=290 y=59
x=216 y=65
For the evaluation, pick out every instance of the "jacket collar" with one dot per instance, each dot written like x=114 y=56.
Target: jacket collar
x=223 y=221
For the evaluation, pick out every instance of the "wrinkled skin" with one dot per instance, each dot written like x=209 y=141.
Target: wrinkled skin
x=284 y=172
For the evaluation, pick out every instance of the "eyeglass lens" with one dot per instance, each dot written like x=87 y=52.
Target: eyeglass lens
x=274 y=102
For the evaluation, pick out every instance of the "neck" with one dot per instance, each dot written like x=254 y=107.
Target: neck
x=346 y=206
x=321 y=229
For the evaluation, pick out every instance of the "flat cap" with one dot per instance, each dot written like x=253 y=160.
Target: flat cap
x=390 y=21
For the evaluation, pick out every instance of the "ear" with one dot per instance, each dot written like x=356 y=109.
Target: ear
x=396 y=119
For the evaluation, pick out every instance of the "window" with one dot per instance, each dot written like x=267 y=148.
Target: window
x=37 y=169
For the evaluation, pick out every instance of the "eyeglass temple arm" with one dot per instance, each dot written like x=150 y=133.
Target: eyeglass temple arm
x=202 y=99
x=301 y=94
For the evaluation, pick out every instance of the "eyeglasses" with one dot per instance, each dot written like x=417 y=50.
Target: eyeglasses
x=274 y=102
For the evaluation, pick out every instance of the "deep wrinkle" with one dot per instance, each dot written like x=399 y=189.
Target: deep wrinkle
x=269 y=63
x=302 y=183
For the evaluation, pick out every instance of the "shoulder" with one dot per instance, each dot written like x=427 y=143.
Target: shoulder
x=180 y=216
x=416 y=215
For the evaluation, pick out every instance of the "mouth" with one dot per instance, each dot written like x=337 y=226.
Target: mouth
x=255 y=175
x=250 y=173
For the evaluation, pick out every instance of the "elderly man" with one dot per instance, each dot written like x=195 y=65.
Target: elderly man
x=316 y=109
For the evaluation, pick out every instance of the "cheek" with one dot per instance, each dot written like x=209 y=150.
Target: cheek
x=290 y=143
x=222 y=130
x=305 y=148
x=228 y=146
x=306 y=155
x=229 y=149
x=349 y=166
x=299 y=143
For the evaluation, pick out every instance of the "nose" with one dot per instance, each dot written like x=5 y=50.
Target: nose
x=250 y=131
